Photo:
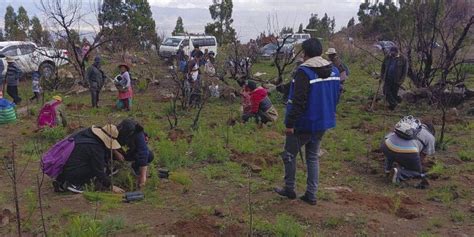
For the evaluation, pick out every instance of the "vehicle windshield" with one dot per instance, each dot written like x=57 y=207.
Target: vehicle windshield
x=172 y=42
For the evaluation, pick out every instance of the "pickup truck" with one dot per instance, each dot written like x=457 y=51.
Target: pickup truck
x=30 y=57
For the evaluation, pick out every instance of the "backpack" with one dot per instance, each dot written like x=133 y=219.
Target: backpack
x=54 y=159
x=7 y=111
x=47 y=115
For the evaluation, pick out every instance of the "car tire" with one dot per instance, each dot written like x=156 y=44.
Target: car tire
x=47 y=69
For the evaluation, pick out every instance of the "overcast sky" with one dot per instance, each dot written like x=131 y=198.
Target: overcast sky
x=250 y=16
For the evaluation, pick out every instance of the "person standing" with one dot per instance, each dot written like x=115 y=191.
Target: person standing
x=95 y=77
x=336 y=61
x=125 y=95
x=310 y=112
x=12 y=78
x=36 y=87
x=394 y=70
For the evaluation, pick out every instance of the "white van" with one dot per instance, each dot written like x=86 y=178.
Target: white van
x=298 y=37
x=171 y=44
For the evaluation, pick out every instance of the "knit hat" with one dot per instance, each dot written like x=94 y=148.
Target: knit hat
x=251 y=85
x=108 y=134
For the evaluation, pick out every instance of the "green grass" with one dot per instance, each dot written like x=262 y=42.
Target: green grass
x=333 y=222
x=466 y=155
x=181 y=177
x=457 y=216
x=86 y=226
x=446 y=194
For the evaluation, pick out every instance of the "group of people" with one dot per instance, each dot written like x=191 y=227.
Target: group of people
x=311 y=110
x=94 y=148
x=313 y=96
x=96 y=79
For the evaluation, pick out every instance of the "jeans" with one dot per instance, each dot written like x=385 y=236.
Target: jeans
x=410 y=163
x=12 y=91
x=293 y=145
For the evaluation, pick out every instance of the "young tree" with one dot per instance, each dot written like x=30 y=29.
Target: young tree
x=36 y=32
x=11 y=26
x=300 y=29
x=351 y=23
x=179 y=28
x=23 y=22
x=221 y=28
x=65 y=17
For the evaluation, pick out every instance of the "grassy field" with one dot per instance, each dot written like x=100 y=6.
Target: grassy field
x=222 y=174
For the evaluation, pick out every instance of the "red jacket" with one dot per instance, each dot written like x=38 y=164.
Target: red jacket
x=256 y=98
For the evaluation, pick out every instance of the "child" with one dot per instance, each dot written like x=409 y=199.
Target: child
x=36 y=87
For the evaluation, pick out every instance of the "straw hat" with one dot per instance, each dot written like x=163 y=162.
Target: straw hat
x=331 y=51
x=58 y=98
x=9 y=59
x=108 y=134
x=124 y=65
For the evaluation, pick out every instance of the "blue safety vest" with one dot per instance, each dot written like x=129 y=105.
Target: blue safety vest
x=320 y=113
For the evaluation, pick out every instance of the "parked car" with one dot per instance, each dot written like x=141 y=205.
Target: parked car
x=30 y=57
x=171 y=45
x=268 y=51
x=297 y=37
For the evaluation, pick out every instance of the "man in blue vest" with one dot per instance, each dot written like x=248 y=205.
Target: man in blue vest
x=311 y=110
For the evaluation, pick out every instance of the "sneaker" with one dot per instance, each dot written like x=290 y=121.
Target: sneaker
x=285 y=193
x=394 y=176
x=74 y=188
x=58 y=187
x=306 y=199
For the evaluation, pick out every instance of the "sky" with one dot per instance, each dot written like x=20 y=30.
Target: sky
x=250 y=16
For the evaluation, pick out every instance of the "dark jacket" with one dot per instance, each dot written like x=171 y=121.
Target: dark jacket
x=399 y=72
x=2 y=67
x=13 y=74
x=95 y=77
x=88 y=159
x=312 y=101
x=132 y=135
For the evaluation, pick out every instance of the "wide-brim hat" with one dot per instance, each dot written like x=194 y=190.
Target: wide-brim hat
x=58 y=98
x=108 y=134
x=9 y=59
x=331 y=51
x=124 y=65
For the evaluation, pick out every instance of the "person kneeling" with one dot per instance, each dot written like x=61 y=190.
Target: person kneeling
x=409 y=143
x=132 y=135
x=87 y=162
x=261 y=106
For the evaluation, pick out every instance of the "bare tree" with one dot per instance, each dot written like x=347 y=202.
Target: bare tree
x=66 y=18
x=286 y=51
